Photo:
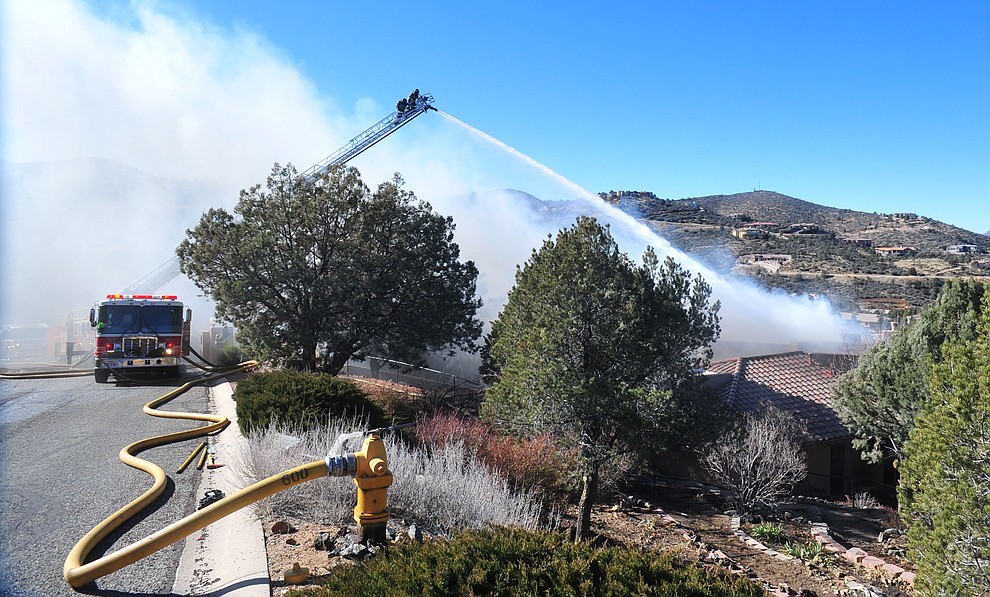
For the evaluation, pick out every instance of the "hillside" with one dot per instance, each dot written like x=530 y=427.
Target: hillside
x=803 y=247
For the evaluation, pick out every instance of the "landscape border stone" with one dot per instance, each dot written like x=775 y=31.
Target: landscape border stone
x=820 y=533
x=859 y=556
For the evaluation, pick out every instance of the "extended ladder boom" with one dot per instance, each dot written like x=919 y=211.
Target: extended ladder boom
x=162 y=275
x=406 y=111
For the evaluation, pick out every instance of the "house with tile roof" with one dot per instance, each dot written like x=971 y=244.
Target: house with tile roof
x=801 y=384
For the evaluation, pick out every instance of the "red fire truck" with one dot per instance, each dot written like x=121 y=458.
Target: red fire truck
x=140 y=332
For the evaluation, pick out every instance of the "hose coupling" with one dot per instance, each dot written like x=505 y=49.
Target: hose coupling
x=344 y=465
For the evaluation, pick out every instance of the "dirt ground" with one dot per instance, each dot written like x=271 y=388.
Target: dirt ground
x=693 y=527
x=701 y=529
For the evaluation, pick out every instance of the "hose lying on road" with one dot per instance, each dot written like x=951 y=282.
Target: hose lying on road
x=78 y=574
x=7 y=374
x=46 y=371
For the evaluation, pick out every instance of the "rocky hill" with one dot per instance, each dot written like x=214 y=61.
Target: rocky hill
x=801 y=246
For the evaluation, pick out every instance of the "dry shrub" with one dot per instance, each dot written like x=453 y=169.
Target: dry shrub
x=446 y=489
x=760 y=461
x=280 y=447
x=536 y=462
x=443 y=490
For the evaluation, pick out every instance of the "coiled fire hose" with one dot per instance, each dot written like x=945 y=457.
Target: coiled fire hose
x=77 y=573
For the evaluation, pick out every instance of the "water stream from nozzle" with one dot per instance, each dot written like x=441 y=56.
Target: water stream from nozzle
x=570 y=184
x=338 y=445
x=748 y=311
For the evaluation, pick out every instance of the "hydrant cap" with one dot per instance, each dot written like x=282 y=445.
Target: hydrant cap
x=378 y=466
x=296 y=575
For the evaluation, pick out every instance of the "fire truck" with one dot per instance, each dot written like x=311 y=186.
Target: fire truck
x=140 y=332
x=24 y=342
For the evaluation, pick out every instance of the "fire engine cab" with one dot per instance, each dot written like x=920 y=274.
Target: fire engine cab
x=140 y=332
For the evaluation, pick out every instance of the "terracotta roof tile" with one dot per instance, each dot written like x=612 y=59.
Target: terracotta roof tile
x=790 y=381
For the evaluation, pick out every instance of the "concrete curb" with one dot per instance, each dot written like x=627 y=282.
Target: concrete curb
x=227 y=558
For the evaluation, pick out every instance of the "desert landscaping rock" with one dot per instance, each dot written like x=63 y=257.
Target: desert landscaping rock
x=281 y=527
x=324 y=542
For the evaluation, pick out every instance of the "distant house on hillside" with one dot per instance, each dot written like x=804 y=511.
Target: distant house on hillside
x=749 y=233
x=859 y=242
x=801 y=384
x=905 y=215
x=895 y=251
x=884 y=304
x=805 y=228
x=871 y=321
x=962 y=249
x=767 y=261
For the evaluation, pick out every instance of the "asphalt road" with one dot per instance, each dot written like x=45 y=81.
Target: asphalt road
x=60 y=476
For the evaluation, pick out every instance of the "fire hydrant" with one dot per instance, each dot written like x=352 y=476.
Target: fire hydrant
x=369 y=466
x=373 y=480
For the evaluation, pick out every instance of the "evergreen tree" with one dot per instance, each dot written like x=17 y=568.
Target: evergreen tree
x=599 y=350
x=945 y=476
x=315 y=271
x=879 y=400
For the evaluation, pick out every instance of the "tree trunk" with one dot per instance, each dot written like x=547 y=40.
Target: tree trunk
x=309 y=357
x=337 y=362
x=589 y=494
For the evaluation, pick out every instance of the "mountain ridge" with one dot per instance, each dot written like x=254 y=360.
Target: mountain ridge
x=765 y=206
x=805 y=248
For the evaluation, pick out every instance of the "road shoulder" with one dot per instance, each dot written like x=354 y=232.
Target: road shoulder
x=227 y=557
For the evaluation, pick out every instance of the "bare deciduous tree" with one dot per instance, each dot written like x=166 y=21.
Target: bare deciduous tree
x=760 y=461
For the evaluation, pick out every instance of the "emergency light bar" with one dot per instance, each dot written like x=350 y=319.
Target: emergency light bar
x=163 y=297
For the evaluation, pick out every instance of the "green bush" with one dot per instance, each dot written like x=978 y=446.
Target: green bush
x=506 y=561
x=808 y=552
x=300 y=400
x=768 y=532
x=232 y=354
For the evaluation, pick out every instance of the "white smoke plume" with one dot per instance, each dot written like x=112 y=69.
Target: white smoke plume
x=120 y=129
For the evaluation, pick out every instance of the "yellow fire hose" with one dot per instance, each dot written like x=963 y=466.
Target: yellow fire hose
x=78 y=574
x=7 y=374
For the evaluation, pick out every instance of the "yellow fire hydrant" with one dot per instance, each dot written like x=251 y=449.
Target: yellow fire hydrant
x=373 y=479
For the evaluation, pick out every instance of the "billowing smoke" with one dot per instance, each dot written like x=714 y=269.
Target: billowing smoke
x=120 y=130
x=499 y=228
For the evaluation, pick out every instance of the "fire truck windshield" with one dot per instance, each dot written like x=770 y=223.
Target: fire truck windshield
x=139 y=319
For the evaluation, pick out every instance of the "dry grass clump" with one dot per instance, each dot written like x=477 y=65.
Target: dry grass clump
x=449 y=489
x=442 y=489
x=282 y=446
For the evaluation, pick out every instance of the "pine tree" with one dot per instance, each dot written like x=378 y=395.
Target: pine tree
x=316 y=270
x=599 y=350
x=945 y=476
x=879 y=400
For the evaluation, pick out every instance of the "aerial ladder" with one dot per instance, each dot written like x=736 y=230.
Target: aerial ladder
x=405 y=110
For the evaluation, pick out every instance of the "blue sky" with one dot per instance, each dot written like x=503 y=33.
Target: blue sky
x=875 y=106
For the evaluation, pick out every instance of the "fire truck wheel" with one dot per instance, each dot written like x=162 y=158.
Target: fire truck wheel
x=102 y=375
